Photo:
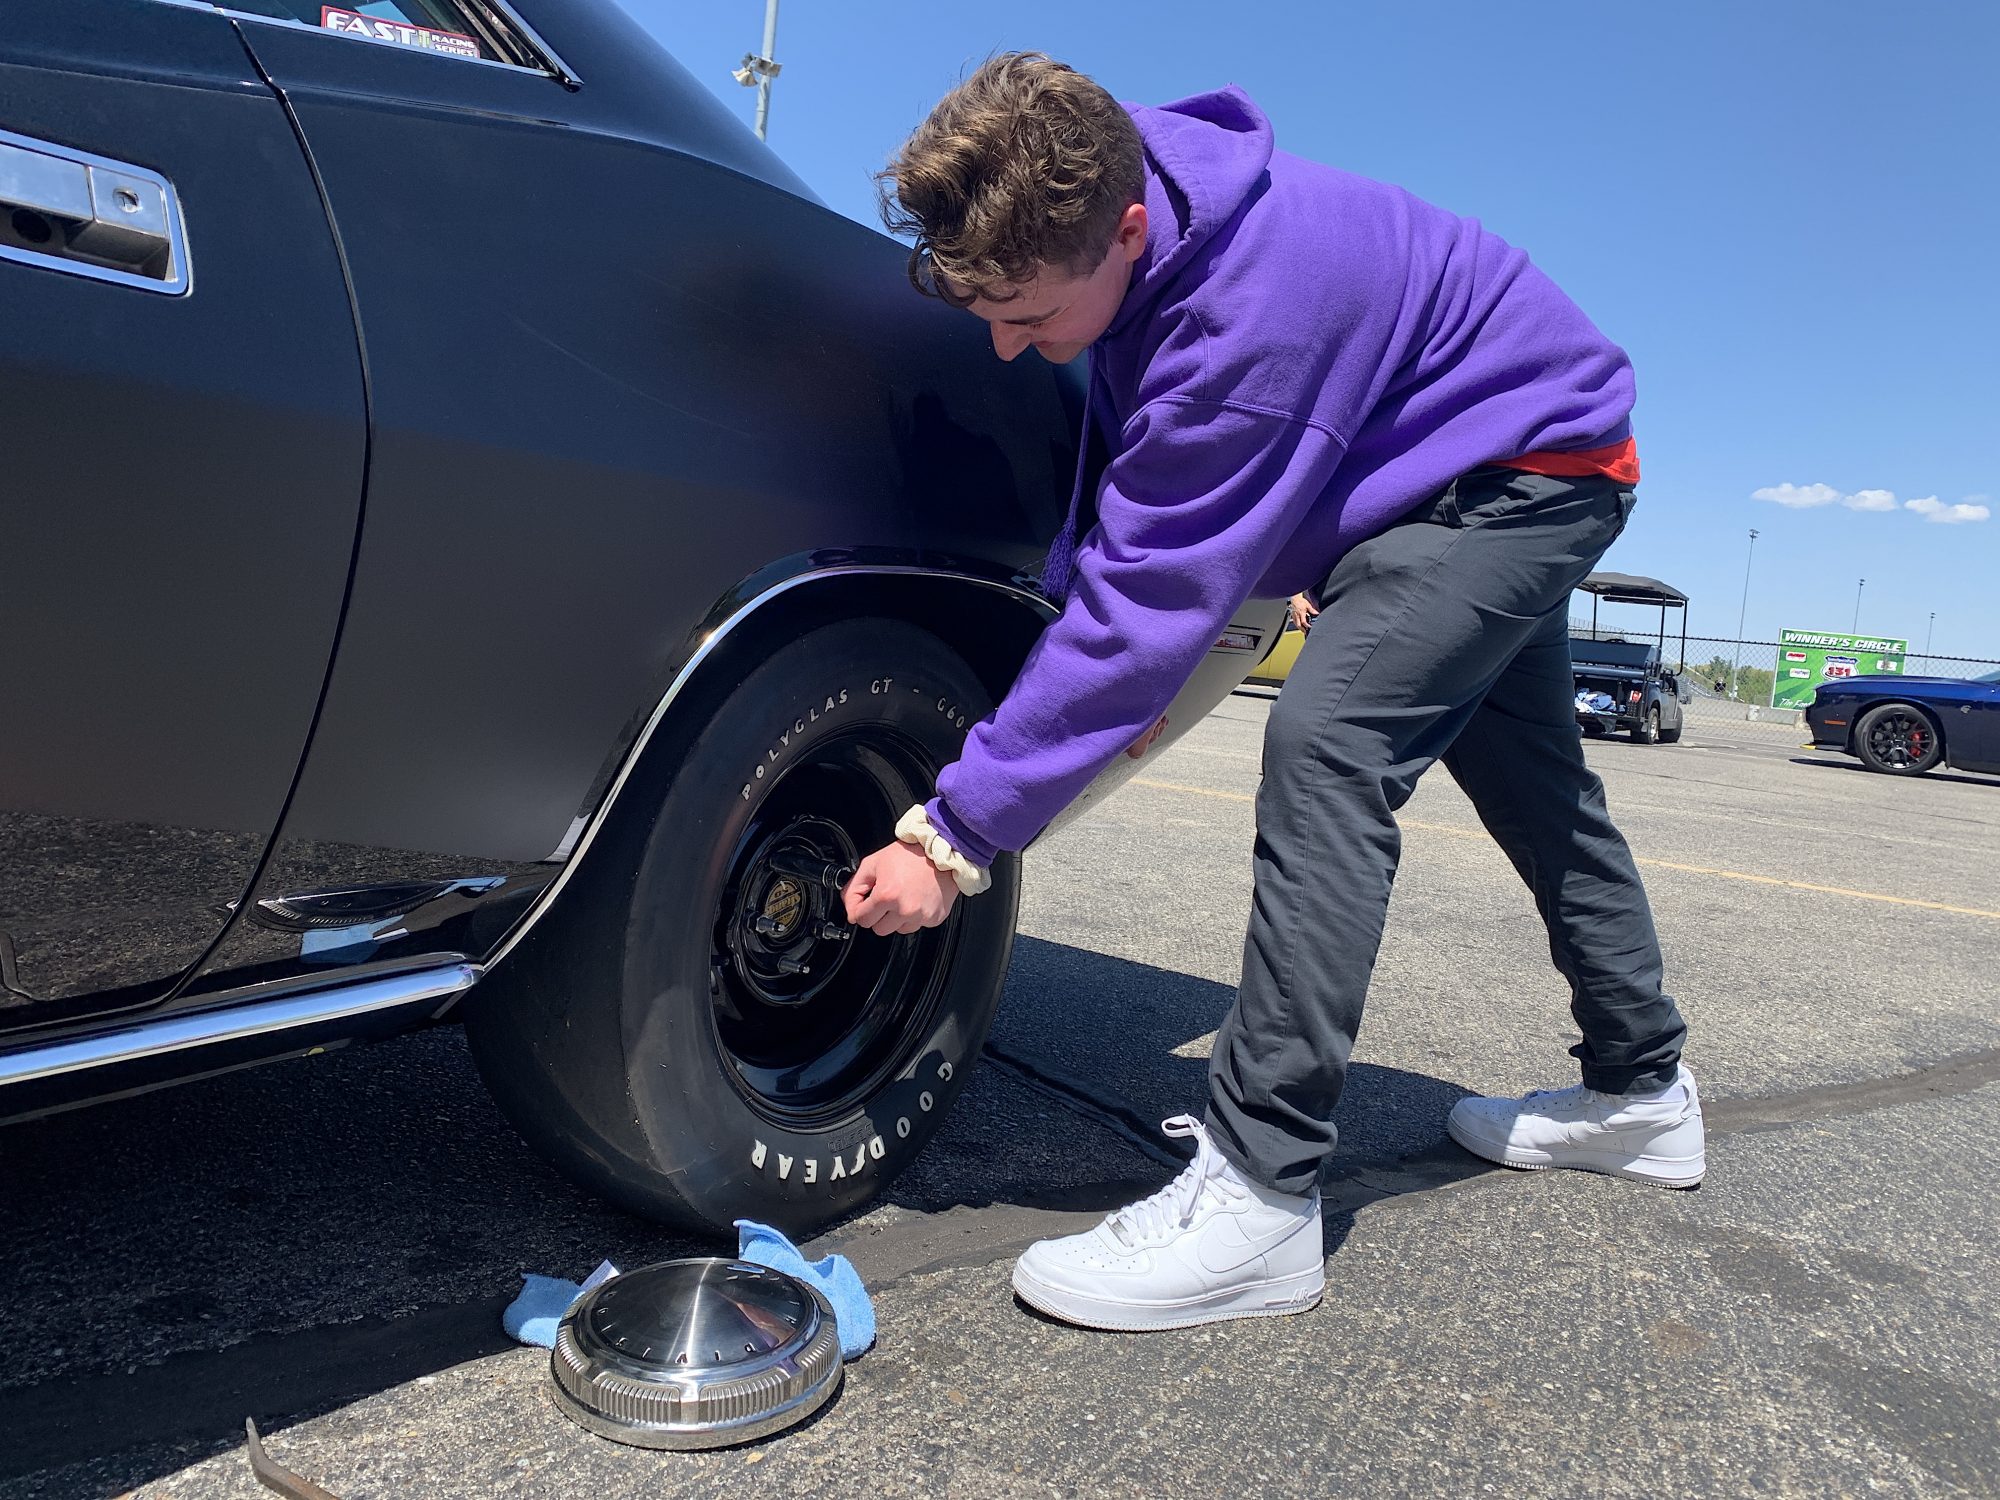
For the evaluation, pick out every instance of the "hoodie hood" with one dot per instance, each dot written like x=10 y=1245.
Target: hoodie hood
x=1204 y=156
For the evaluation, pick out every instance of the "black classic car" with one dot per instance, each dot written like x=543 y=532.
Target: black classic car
x=1904 y=726
x=481 y=541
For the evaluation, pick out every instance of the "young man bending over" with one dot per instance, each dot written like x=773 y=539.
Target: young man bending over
x=1308 y=382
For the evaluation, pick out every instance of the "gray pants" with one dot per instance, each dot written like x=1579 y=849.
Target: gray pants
x=1445 y=637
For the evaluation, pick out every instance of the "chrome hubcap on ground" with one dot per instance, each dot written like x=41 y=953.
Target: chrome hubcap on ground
x=695 y=1354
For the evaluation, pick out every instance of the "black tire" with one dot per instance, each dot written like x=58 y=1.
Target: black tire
x=1898 y=739
x=657 y=1047
x=1673 y=736
x=1647 y=730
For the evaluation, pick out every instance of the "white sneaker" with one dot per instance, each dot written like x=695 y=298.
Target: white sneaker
x=1210 y=1245
x=1655 y=1138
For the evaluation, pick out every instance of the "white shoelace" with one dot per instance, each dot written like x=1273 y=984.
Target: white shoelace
x=1173 y=1206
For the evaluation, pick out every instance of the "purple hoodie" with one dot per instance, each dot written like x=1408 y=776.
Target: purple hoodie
x=1303 y=356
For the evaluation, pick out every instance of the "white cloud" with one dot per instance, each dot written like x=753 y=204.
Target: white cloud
x=1798 y=497
x=1870 y=500
x=1933 y=509
x=1812 y=496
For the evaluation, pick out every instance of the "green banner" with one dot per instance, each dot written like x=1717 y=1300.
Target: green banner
x=1806 y=658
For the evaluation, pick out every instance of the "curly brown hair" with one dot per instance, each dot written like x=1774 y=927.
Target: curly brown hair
x=1025 y=165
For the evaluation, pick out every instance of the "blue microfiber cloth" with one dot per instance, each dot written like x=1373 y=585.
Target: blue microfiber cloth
x=531 y=1318
x=834 y=1277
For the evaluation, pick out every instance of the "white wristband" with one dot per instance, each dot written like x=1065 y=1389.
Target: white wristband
x=914 y=828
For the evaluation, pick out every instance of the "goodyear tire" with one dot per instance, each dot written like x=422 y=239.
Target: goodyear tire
x=702 y=1037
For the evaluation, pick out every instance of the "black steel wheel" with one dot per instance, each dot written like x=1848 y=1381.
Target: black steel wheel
x=708 y=1039
x=1898 y=739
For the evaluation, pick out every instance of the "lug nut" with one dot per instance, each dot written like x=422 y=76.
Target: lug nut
x=803 y=865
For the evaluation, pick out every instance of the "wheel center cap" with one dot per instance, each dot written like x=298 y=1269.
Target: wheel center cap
x=783 y=904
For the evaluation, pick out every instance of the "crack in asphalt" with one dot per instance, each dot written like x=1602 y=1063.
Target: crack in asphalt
x=975 y=1236
x=1138 y=1130
x=1960 y=1073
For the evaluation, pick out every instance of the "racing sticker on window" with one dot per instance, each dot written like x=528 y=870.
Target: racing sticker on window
x=400 y=32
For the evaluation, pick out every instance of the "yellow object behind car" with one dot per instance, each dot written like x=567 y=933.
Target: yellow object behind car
x=1274 y=668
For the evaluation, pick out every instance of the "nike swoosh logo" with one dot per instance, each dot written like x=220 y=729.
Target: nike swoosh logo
x=1225 y=1247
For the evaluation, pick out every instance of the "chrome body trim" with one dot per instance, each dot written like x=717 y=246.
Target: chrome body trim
x=564 y=73
x=601 y=814
x=227 y=1023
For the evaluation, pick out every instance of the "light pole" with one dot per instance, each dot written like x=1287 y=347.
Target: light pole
x=759 y=68
x=1859 y=584
x=1927 y=632
x=1737 y=665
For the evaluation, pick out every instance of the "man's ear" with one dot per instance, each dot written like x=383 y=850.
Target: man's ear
x=1130 y=238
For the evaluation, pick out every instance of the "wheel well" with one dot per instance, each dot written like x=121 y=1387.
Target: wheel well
x=992 y=628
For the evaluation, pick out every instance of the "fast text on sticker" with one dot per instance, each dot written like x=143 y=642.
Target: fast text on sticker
x=333 y=19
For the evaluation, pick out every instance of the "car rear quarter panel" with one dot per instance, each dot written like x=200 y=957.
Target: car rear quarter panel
x=612 y=379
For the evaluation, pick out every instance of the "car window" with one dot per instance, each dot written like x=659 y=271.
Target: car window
x=1988 y=677
x=428 y=25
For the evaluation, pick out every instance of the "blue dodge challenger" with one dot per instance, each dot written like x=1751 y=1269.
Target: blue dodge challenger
x=1905 y=726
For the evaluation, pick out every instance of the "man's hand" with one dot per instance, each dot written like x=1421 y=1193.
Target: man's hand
x=1145 y=741
x=1303 y=610
x=897 y=889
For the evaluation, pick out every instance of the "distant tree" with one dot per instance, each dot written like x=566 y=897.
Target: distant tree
x=1753 y=685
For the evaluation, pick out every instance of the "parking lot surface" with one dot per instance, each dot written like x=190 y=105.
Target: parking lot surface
x=325 y=1245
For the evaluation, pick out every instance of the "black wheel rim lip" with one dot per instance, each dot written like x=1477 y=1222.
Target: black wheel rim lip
x=879 y=997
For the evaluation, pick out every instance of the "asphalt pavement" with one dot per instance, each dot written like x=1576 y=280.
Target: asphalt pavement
x=325 y=1245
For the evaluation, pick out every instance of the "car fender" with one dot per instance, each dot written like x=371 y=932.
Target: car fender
x=779 y=601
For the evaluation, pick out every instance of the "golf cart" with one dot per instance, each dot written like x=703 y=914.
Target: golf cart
x=1622 y=684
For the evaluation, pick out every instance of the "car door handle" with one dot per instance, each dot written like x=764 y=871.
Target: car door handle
x=69 y=211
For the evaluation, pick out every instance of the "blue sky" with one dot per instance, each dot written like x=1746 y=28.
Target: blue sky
x=1787 y=212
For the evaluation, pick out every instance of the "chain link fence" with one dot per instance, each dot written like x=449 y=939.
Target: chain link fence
x=1729 y=681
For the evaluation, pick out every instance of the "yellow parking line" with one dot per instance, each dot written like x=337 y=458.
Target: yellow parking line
x=1658 y=864
x=1824 y=890
x=1199 y=791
